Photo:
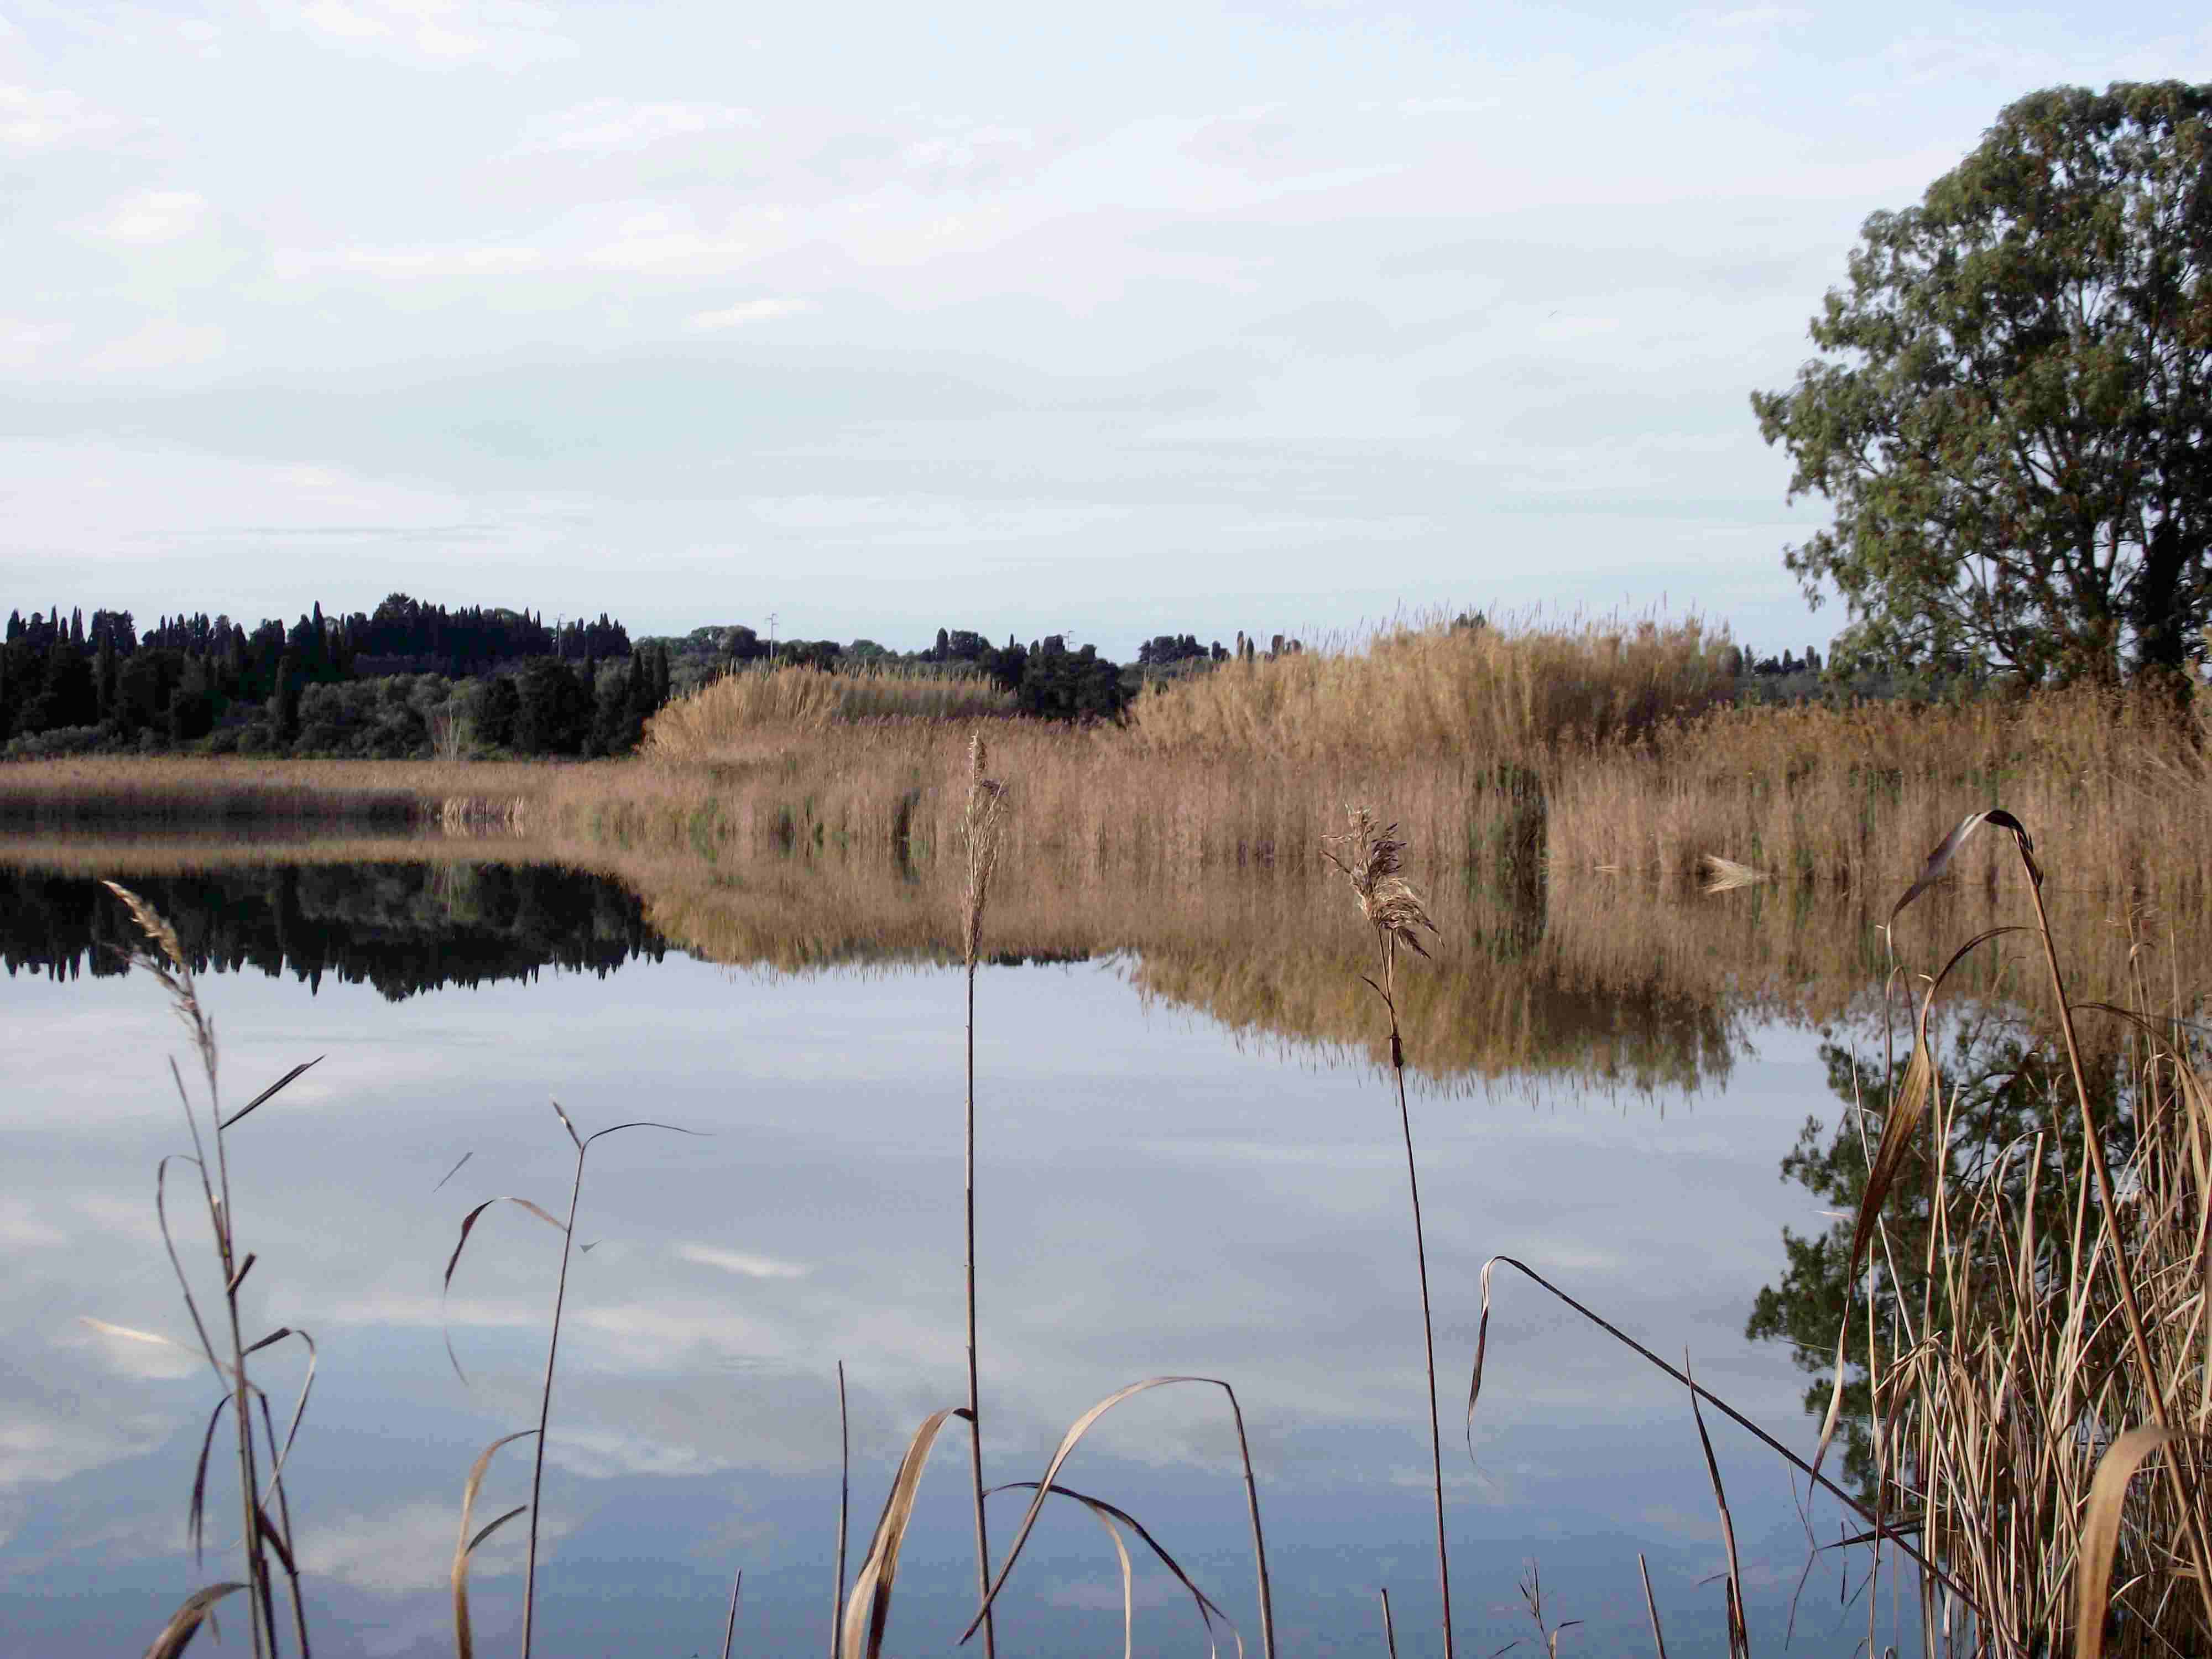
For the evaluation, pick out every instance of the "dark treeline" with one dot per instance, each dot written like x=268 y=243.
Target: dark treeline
x=411 y=679
x=402 y=928
x=406 y=679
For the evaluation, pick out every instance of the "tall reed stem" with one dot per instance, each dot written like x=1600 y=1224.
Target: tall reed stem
x=545 y=1405
x=1421 y=1263
x=974 y=1400
x=979 y=824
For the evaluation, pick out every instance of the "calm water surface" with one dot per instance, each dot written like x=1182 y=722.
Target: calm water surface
x=1158 y=1192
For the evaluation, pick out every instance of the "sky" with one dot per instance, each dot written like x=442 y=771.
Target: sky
x=1106 y=320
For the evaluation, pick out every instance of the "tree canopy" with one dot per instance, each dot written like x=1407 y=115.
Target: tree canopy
x=2010 y=413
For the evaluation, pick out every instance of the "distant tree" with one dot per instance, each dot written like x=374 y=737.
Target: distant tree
x=499 y=710
x=2011 y=408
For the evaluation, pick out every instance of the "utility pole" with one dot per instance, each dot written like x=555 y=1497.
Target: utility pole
x=771 y=639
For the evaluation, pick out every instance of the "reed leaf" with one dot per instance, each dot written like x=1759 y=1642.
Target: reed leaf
x=1081 y=1426
x=183 y=1624
x=272 y=1090
x=1208 y=1611
x=868 y=1609
x=2101 y=1532
x=465 y=1542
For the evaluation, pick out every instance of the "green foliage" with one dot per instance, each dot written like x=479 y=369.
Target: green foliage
x=2010 y=411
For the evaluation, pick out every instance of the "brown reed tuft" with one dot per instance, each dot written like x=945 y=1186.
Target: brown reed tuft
x=1371 y=862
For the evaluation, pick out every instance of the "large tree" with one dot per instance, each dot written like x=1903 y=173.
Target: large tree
x=2010 y=414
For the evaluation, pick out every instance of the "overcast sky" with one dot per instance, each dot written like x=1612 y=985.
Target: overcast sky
x=1119 y=319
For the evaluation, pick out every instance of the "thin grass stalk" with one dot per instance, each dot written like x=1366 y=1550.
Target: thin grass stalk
x=730 y=1628
x=1389 y=1630
x=1372 y=864
x=1421 y=1266
x=844 y=1507
x=546 y=1404
x=980 y=826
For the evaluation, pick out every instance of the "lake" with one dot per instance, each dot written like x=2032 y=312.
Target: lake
x=1189 y=1162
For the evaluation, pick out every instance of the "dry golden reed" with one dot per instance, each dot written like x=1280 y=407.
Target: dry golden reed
x=1851 y=797
x=738 y=709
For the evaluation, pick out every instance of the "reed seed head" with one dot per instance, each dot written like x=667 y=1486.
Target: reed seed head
x=1371 y=861
x=981 y=823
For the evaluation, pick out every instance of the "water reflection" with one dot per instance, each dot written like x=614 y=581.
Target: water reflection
x=403 y=928
x=1156 y=1196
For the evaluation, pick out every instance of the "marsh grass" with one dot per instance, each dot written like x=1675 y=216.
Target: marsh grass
x=1836 y=797
x=265 y=1540
x=2045 y=1333
x=535 y=1508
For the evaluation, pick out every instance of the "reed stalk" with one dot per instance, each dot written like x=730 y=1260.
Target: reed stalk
x=981 y=823
x=260 y=1534
x=1372 y=861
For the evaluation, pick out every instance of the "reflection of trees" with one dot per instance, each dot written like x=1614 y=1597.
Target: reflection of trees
x=2002 y=1091
x=401 y=928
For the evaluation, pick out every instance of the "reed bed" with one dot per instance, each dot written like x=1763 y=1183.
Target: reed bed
x=1526 y=753
x=2035 y=1326
x=1516 y=695
x=736 y=709
x=1837 y=797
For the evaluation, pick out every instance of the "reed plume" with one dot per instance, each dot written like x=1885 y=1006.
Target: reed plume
x=263 y=1535
x=981 y=822
x=1372 y=862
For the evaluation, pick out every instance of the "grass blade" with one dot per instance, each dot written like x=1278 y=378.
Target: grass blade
x=1207 y=1609
x=1082 y=1426
x=867 y=1611
x=465 y=1544
x=270 y=1091
x=185 y=1622
x=1739 y=1635
x=2101 y=1534
x=1474 y=1390
x=453 y=1261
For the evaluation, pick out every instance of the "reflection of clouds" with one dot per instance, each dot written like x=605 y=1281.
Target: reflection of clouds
x=46 y=1442
x=411 y=1546
x=743 y=1264
x=20 y=1229
x=133 y=1353
x=1152 y=1200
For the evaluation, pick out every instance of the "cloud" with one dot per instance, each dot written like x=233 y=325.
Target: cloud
x=164 y=342
x=34 y=119
x=404 y=264
x=738 y=1263
x=749 y=311
x=149 y=216
x=606 y=125
x=432 y=34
